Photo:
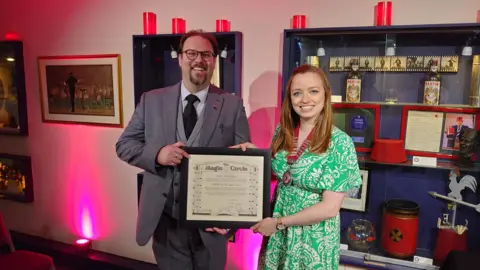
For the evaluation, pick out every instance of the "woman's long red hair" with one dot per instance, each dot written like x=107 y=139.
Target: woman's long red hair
x=289 y=119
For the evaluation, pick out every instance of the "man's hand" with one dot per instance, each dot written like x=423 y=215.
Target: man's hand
x=244 y=146
x=171 y=155
x=220 y=231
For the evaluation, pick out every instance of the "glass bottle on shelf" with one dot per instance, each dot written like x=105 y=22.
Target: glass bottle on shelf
x=431 y=88
x=354 y=83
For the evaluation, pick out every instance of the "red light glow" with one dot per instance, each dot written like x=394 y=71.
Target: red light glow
x=82 y=241
x=11 y=36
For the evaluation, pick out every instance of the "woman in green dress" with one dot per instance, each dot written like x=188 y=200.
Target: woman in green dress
x=316 y=163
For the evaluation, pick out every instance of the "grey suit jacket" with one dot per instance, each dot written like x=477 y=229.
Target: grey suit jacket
x=153 y=126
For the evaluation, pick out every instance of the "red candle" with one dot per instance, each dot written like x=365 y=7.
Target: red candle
x=11 y=36
x=384 y=13
x=149 y=23
x=183 y=26
x=299 y=21
x=478 y=16
x=178 y=26
x=222 y=25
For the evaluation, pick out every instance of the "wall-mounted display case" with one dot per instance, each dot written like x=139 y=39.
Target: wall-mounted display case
x=155 y=66
x=13 y=94
x=409 y=97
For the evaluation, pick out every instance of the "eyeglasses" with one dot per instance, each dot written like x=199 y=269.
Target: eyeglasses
x=193 y=54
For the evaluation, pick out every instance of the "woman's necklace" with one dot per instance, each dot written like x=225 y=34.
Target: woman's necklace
x=293 y=157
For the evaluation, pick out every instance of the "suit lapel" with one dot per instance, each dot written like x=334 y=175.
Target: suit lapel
x=213 y=106
x=170 y=109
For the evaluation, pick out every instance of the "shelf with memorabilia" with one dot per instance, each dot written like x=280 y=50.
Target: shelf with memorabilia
x=393 y=64
x=408 y=96
x=155 y=61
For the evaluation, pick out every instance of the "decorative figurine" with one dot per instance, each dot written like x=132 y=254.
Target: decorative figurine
x=469 y=143
x=449 y=235
x=467 y=181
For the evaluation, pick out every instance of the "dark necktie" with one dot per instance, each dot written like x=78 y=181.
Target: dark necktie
x=190 y=115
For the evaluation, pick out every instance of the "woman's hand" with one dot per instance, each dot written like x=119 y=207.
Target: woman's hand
x=266 y=227
x=244 y=146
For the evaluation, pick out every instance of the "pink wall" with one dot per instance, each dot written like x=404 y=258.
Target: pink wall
x=86 y=190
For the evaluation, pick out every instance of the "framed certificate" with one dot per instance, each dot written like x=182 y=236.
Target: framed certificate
x=224 y=187
x=436 y=131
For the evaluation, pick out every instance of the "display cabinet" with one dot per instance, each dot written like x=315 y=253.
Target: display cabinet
x=409 y=98
x=13 y=94
x=155 y=62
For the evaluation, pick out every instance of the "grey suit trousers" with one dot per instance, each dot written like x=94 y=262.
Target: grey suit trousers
x=178 y=248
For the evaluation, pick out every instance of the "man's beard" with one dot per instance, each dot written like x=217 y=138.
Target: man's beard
x=201 y=79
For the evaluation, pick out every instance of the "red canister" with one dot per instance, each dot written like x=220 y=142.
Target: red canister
x=400 y=228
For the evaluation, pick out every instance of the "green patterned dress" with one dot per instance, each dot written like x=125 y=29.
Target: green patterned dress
x=313 y=246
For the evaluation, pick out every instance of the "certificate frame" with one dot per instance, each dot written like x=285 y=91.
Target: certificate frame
x=445 y=111
x=359 y=204
x=375 y=108
x=214 y=157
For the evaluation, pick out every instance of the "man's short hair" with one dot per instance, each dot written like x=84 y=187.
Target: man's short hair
x=198 y=32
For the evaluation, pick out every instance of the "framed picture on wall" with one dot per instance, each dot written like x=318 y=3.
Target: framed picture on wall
x=356 y=199
x=16 y=181
x=13 y=100
x=81 y=89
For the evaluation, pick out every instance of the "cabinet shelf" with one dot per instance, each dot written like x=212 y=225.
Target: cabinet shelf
x=441 y=165
x=381 y=262
x=399 y=104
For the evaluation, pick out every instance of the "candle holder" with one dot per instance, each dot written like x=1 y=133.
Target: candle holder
x=222 y=25
x=149 y=23
x=178 y=26
x=299 y=21
x=383 y=13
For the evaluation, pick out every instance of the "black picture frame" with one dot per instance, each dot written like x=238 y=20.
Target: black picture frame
x=11 y=165
x=15 y=101
x=223 y=153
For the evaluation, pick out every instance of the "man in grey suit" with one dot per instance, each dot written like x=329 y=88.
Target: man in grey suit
x=190 y=113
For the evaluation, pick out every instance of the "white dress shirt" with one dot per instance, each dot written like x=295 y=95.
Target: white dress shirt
x=202 y=96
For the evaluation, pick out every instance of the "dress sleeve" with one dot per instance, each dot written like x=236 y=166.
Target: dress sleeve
x=341 y=171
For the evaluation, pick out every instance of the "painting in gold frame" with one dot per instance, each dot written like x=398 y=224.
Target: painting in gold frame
x=81 y=89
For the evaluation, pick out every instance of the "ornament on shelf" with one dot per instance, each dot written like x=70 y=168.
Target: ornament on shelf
x=222 y=25
x=224 y=52
x=451 y=236
x=299 y=21
x=179 y=26
x=149 y=23
x=173 y=53
x=383 y=13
